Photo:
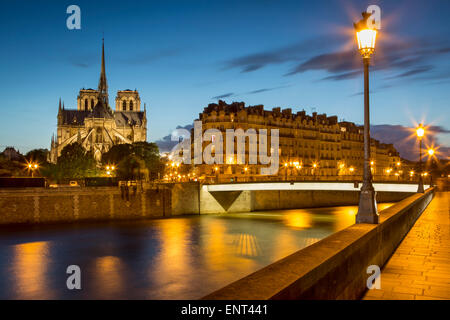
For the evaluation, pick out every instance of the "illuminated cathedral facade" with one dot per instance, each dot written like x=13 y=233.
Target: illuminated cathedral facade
x=95 y=125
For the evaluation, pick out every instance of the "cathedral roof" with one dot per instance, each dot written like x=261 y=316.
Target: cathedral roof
x=122 y=118
x=101 y=110
x=125 y=118
x=73 y=117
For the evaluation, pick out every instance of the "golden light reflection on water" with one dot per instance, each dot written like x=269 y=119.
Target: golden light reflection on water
x=298 y=220
x=246 y=245
x=108 y=275
x=174 y=258
x=29 y=266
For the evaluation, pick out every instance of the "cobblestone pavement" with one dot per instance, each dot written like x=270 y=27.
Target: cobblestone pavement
x=420 y=267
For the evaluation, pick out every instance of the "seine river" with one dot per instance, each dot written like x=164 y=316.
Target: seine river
x=177 y=258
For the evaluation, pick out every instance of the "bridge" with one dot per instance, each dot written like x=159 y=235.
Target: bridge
x=255 y=196
x=330 y=186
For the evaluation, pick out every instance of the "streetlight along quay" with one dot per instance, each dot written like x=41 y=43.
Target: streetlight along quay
x=32 y=167
x=367 y=210
x=420 y=131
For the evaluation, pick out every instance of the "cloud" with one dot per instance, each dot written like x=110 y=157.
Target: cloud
x=266 y=89
x=405 y=142
x=411 y=58
x=403 y=56
x=294 y=52
x=231 y=94
x=412 y=72
x=165 y=144
x=226 y=95
x=343 y=76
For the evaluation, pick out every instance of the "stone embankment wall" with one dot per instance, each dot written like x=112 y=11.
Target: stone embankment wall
x=40 y=205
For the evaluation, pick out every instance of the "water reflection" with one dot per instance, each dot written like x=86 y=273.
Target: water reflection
x=178 y=258
x=29 y=270
x=109 y=279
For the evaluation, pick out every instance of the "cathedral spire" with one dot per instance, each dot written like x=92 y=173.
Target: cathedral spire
x=102 y=84
x=59 y=108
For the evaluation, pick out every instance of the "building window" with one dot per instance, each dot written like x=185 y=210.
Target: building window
x=86 y=104
x=124 y=105
x=92 y=103
x=131 y=105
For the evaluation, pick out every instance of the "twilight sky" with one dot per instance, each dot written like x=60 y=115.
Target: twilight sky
x=182 y=55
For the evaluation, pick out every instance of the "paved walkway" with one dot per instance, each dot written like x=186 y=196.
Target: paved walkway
x=420 y=267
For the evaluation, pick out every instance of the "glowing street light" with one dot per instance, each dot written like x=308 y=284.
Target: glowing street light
x=32 y=167
x=367 y=209
x=431 y=152
x=420 y=132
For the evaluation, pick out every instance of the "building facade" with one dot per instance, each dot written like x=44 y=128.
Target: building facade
x=95 y=125
x=313 y=146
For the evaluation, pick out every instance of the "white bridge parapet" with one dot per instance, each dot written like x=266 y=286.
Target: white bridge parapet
x=328 y=186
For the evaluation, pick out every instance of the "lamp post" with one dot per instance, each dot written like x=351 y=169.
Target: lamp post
x=430 y=154
x=367 y=209
x=420 y=131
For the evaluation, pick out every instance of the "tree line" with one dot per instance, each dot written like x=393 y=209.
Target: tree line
x=139 y=160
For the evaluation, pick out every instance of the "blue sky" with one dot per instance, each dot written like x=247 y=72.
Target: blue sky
x=182 y=55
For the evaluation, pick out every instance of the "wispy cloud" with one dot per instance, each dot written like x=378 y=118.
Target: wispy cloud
x=233 y=94
x=410 y=59
x=267 y=89
x=295 y=52
x=226 y=95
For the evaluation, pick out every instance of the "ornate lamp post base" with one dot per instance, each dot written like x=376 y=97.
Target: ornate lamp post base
x=367 y=209
x=420 y=187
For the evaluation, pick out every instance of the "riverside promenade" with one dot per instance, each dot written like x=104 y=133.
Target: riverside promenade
x=420 y=267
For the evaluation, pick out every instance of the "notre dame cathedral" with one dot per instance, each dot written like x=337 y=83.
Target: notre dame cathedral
x=95 y=125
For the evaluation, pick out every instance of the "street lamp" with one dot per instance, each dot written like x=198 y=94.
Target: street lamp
x=367 y=209
x=32 y=167
x=420 y=132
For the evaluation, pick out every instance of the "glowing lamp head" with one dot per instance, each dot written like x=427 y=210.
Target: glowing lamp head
x=431 y=152
x=365 y=36
x=35 y=166
x=352 y=169
x=420 y=131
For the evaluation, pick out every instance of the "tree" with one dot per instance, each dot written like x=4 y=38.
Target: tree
x=37 y=156
x=74 y=162
x=134 y=161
